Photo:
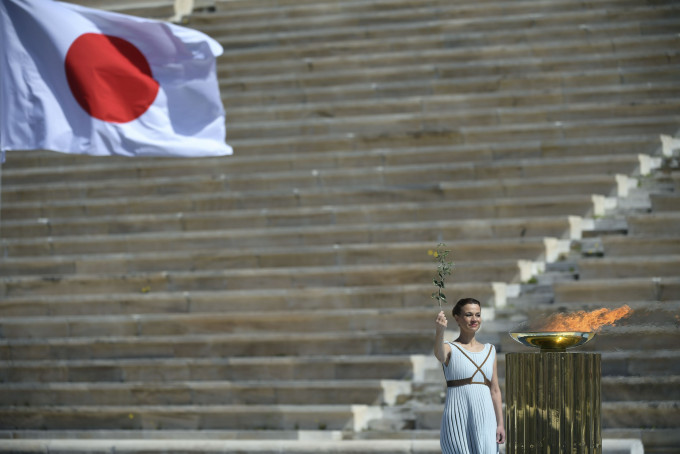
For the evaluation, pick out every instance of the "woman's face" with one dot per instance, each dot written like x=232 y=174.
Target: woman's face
x=470 y=317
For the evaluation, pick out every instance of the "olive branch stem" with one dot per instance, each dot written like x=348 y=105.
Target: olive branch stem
x=444 y=268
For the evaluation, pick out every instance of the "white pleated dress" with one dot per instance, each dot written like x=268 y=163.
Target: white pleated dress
x=469 y=421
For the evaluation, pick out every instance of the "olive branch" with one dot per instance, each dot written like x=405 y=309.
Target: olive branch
x=443 y=269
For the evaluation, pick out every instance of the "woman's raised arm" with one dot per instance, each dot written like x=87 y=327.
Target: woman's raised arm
x=442 y=351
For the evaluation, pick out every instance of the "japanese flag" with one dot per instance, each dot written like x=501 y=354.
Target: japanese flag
x=79 y=80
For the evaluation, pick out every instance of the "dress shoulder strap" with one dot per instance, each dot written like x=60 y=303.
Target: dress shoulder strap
x=478 y=367
x=471 y=360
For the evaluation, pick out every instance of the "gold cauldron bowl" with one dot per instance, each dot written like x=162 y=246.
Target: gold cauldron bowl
x=553 y=341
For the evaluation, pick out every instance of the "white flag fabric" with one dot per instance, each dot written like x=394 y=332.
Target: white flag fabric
x=80 y=80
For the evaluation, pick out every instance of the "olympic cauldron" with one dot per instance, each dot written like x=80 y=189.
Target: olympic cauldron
x=553 y=401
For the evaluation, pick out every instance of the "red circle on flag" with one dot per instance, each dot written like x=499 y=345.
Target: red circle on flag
x=109 y=77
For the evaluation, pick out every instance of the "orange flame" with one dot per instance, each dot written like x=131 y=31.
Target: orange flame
x=586 y=321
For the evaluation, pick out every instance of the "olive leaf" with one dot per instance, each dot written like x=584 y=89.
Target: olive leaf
x=444 y=268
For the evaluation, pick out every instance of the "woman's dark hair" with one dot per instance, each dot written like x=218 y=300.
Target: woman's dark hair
x=462 y=302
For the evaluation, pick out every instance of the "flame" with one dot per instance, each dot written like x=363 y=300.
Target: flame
x=586 y=321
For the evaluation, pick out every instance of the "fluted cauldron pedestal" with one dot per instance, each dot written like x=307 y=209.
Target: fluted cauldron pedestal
x=553 y=403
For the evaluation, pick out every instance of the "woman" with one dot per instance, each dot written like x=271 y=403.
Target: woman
x=472 y=422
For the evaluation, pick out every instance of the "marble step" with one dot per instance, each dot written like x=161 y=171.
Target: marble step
x=385 y=224
x=247 y=7
x=615 y=290
x=653 y=266
x=517 y=15
x=630 y=363
x=222 y=345
x=657 y=224
x=416 y=342
x=517 y=200
x=510 y=105
x=329 y=255
x=435 y=134
x=387 y=446
x=455 y=184
x=344 y=392
x=374 y=55
x=190 y=417
x=278 y=392
x=259 y=368
x=262 y=278
x=640 y=388
x=156 y=178
x=178 y=435
x=443 y=34
x=275 y=10
x=416 y=120
x=228 y=301
x=247 y=322
x=665 y=203
x=573 y=84
x=28 y=167
x=631 y=246
x=392 y=71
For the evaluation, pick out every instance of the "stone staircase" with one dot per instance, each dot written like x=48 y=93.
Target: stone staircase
x=278 y=300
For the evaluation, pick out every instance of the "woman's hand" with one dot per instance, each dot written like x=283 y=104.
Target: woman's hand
x=441 y=321
x=500 y=435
